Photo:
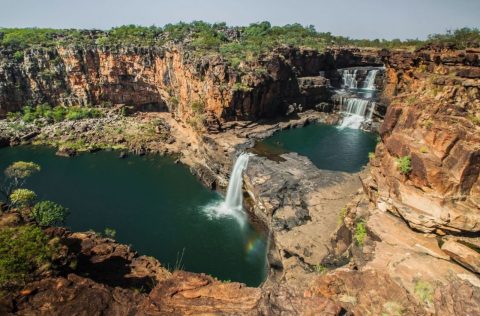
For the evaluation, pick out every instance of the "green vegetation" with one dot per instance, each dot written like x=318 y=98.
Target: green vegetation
x=474 y=119
x=371 y=155
x=391 y=308
x=47 y=213
x=342 y=214
x=22 y=197
x=424 y=291
x=360 y=233
x=235 y=44
x=110 y=232
x=23 y=250
x=404 y=164
x=241 y=87
x=54 y=114
x=320 y=269
x=16 y=175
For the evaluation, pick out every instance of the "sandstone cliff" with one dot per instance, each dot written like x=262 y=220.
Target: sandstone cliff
x=433 y=118
x=167 y=78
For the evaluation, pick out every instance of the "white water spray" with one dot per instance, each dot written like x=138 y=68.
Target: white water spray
x=369 y=82
x=357 y=110
x=233 y=204
x=349 y=78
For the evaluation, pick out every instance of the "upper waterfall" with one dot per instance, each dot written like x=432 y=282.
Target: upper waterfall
x=357 y=104
x=369 y=82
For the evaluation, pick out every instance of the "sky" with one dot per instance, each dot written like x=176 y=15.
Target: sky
x=354 y=18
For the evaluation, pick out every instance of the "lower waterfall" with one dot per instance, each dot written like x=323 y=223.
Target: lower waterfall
x=232 y=206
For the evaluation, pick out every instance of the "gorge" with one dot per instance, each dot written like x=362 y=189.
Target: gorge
x=354 y=222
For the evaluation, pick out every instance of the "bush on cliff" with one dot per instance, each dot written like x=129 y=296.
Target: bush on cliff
x=23 y=250
x=404 y=164
x=22 y=197
x=47 y=213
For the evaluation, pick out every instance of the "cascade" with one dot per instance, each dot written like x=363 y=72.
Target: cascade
x=349 y=78
x=357 y=106
x=369 y=82
x=232 y=206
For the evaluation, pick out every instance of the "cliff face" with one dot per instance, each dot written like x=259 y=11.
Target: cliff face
x=167 y=78
x=434 y=118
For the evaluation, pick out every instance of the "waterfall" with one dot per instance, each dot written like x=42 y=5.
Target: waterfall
x=349 y=78
x=369 y=82
x=232 y=206
x=234 y=198
x=357 y=104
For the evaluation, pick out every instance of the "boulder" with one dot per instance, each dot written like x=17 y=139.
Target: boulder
x=463 y=254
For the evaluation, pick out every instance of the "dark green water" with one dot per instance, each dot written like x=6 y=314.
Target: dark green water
x=326 y=146
x=153 y=204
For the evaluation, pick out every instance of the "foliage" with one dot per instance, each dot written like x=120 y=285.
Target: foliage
x=18 y=56
x=21 y=169
x=16 y=175
x=371 y=155
x=320 y=269
x=342 y=214
x=461 y=38
x=22 y=197
x=241 y=87
x=23 y=249
x=47 y=213
x=475 y=119
x=110 y=232
x=233 y=43
x=360 y=233
x=198 y=107
x=424 y=291
x=404 y=164
x=54 y=114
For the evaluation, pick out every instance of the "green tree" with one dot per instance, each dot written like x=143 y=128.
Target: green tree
x=22 y=197
x=15 y=176
x=47 y=213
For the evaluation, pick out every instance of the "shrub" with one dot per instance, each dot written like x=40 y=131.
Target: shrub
x=360 y=233
x=110 y=232
x=424 y=291
x=342 y=214
x=23 y=249
x=404 y=164
x=198 y=107
x=18 y=56
x=321 y=269
x=47 y=213
x=22 y=197
x=371 y=155
x=241 y=87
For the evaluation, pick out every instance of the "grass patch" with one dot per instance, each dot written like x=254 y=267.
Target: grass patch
x=320 y=269
x=424 y=291
x=404 y=164
x=342 y=214
x=360 y=233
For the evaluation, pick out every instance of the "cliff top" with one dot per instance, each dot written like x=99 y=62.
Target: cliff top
x=234 y=43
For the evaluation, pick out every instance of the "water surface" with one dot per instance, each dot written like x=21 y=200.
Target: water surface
x=153 y=204
x=327 y=146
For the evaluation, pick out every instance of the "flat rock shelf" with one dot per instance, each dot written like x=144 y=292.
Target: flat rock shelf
x=153 y=204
